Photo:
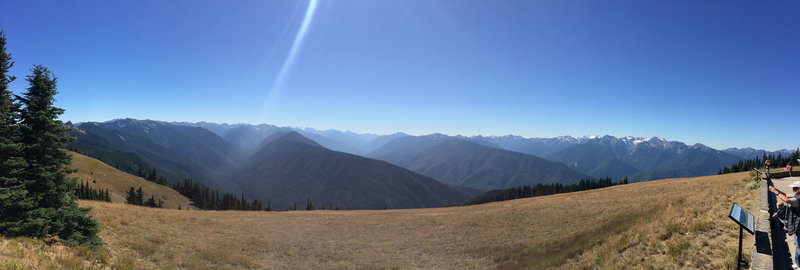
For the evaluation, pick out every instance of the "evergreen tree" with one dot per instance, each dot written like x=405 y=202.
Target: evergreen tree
x=139 y=196
x=151 y=202
x=86 y=192
x=43 y=137
x=541 y=190
x=309 y=205
x=14 y=199
x=130 y=196
x=204 y=198
x=152 y=175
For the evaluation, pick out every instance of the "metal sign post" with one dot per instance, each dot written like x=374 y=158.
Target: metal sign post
x=746 y=222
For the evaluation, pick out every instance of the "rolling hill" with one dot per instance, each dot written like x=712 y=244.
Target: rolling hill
x=465 y=163
x=332 y=179
x=177 y=152
x=102 y=176
x=675 y=227
x=290 y=169
x=183 y=150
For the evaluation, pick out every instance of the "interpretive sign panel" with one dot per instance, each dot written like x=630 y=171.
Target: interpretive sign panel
x=744 y=218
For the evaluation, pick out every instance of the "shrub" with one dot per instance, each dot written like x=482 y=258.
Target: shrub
x=671 y=229
x=676 y=248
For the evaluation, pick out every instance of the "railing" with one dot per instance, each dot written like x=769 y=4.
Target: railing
x=770 y=250
x=782 y=174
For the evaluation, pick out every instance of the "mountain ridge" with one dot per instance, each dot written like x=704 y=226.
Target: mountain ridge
x=461 y=162
x=643 y=159
x=279 y=172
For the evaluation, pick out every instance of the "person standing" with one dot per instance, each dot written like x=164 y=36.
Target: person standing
x=793 y=217
x=766 y=163
x=789 y=169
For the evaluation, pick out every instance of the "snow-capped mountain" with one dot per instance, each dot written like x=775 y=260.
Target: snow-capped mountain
x=540 y=147
x=609 y=156
x=642 y=158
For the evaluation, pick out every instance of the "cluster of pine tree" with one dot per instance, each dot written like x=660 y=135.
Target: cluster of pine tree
x=85 y=192
x=152 y=176
x=136 y=197
x=776 y=161
x=36 y=197
x=204 y=198
x=542 y=190
x=311 y=206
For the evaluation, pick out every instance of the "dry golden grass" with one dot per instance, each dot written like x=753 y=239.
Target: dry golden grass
x=617 y=227
x=25 y=253
x=675 y=223
x=688 y=231
x=101 y=176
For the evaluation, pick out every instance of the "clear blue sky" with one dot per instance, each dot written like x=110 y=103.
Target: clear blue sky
x=693 y=71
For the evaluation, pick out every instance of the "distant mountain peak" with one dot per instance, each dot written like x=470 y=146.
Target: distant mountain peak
x=437 y=136
x=701 y=146
x=291 y=136
x=567 y=138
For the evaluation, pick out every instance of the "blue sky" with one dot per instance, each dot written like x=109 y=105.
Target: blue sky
x=721 y=73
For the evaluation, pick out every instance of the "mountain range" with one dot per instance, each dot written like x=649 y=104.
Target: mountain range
x=291 y=168
x=287 y=165
x=286 y=168
x=465 y=163
x=748 y=152
x=176 y=151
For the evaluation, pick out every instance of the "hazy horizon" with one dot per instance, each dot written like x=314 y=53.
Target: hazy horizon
x=453 y=135
x=695 y=73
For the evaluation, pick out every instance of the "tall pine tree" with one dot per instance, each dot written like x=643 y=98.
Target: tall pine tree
x=43 y=137
x=14 y=199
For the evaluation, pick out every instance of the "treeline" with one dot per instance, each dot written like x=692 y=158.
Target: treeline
x=152 y=176
x=205 y=198
x=542 y=190
x=776 y=161
x=136 y=197
x=85 y=192
x=310 y=206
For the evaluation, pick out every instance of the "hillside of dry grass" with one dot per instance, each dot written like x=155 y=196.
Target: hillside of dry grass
x=665 y=224
x=101 y=176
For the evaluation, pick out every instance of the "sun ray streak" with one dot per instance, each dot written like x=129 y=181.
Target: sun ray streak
x=297 y=44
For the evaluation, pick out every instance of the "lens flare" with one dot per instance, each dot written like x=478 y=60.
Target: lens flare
x=289 y=61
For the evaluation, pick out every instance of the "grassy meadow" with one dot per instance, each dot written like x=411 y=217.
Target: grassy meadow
x=101 y=176
x=665 y=224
